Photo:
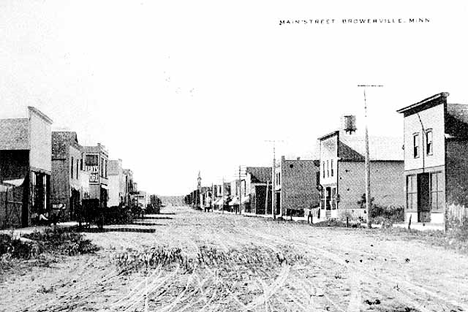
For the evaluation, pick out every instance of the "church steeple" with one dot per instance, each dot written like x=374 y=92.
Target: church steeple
x=199 y=180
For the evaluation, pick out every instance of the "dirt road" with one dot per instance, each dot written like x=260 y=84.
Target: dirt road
x=224 y=262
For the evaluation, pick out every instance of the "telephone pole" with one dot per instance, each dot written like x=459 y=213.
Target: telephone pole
x=273 y=178
x=240 y=191
x=367 y=158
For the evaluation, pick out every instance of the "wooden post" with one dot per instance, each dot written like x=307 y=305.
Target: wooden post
x=367 y=160
x=273 y=184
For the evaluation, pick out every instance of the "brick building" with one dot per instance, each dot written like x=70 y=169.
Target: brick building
x=67 y=168
x=296 y=186
x=96 y=164
x=25 y=167
x=436 y=163
x=342 y=173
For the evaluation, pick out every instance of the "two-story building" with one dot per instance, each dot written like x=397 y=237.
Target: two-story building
x=96 y=164
x=296 y=186
x=257 y=194
x=117 y=185
x=67 y=169
x=342 y=173
x=25 y=167
x=436 y=162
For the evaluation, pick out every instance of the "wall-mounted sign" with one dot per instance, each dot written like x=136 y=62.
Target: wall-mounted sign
x=94 y=178
x=92 y=169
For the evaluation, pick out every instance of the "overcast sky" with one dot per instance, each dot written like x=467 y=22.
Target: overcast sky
x=174 y=87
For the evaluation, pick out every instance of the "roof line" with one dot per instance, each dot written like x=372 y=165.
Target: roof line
x=427 y=100
x=328 y=135
x=41 y=114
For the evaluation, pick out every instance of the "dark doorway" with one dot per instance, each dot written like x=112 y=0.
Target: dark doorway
x=424 y=199
x=278 y=203
x=74 y=203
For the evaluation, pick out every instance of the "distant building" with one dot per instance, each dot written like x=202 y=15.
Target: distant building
x=142 y=199
x=96 y=164
x=436 y=162
x=257 y=197
x=67 y=169
x=128 y=190
x=117 y=184
x=25 y=167
x=296 y=185
x=342 y=173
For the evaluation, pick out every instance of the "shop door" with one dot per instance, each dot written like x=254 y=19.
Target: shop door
x=424 y=204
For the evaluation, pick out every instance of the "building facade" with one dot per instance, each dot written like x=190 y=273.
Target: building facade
x=67 y=169
x=128 y=188
x=436 y=165
x=25 y=167
x=117 y=184
x=257 y=197
x=342 y=173
x=296 y=186
x=96 y=159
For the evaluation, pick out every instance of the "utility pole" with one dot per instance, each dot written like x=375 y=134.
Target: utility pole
x=240 y=190
x=367 y=159
x=273 y=179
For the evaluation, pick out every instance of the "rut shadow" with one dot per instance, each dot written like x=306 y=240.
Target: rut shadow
x=104 y=230
x=155 y=218
x=146 y=224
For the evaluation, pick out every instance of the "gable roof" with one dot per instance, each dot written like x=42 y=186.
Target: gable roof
x=381 y=148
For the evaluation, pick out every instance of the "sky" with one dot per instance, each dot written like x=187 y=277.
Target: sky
x=174 y=88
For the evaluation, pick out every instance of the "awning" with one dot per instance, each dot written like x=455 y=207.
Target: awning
x=246 y=199
x=15 y=182
x=234 y=201
x=219 y=202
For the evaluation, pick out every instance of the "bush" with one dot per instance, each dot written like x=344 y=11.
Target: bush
x=387 y=215
x=64 y=241
x=15 y=248
x=459 y=229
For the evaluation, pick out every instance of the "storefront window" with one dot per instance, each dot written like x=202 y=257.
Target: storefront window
x=411 y=193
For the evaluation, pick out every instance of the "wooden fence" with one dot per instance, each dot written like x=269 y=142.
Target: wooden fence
x=457 y=212
x=10 y=207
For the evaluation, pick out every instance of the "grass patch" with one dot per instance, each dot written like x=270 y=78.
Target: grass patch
x=64 y=241
x=43 y=246
x=453 y=239
x=166 y=257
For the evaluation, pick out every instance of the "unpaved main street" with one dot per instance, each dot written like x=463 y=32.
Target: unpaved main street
x=224 y=262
